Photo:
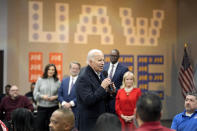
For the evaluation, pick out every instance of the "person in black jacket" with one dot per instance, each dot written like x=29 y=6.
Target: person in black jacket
x=91 y=91
x=22 y=120
x=7 y=89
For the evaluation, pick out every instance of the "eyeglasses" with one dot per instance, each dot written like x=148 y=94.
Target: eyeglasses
x=14 y=90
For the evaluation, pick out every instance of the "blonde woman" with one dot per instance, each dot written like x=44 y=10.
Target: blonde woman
x=126 y=99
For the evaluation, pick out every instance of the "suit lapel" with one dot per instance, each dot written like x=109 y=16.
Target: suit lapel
x=95 y=80
x=67 y=85
x=116 y=72
x=72 y=89
x=107 y=67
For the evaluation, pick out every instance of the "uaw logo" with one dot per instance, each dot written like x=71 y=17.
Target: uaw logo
x=93 y=20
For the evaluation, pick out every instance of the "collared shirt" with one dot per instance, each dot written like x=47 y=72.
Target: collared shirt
x=98 y=74
x=182 y=122
x=69 y=90
x=152 y=126
x=72 y=79
x=110 y=67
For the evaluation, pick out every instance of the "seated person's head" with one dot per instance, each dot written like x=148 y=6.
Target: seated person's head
x=148 y=108
x=22 y=119
x=14 y=92
x=191 y=102
x=62 y=120
x=7 y=89
x=108 y=122
x=32 y=86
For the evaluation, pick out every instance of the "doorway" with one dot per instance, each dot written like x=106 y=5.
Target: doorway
x=1 y=70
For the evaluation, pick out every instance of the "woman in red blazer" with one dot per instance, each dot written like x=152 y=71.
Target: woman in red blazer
x=126 y=99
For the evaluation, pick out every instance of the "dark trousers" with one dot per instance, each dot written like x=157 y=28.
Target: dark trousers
x=110 y=106
x=43 y=118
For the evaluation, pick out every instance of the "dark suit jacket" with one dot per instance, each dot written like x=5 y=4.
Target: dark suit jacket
x=63 y=93
x=117 y=79
x=90 y=99
x=118 y=75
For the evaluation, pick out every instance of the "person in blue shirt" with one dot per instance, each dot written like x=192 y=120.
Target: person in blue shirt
x=187 y=120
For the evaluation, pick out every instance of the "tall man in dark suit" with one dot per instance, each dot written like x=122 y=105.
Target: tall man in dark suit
x=115 y=71
x=66 y=92
x=91 y=91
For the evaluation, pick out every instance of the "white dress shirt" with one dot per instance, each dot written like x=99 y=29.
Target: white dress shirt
x=114 y=70
x=69 y=89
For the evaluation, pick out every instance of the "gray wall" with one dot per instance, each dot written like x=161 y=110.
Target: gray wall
x=187 y=27
x=187 y=32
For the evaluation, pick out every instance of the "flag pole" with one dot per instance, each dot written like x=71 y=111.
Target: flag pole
x=186 y=76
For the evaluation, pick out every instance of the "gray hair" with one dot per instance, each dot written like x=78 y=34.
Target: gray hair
x=74 y=62
x=91 y=54
x=192 y=94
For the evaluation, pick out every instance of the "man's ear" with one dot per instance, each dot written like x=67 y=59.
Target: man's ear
x=136 y=114
x=136 y=118
x=90 y=61
x=67 y=127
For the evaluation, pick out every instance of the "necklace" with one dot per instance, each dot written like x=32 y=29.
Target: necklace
x=128 y=90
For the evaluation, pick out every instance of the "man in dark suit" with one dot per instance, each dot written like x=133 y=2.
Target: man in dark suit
x=115 y=71
x=66 y=92
x=91 y=91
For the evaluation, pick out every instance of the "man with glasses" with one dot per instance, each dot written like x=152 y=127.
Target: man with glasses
x=12 y=102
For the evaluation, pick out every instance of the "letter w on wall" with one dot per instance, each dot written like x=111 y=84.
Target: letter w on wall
x=138 y=33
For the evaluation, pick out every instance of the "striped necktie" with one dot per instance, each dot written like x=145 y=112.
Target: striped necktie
x=111 y=72
x=71 y=86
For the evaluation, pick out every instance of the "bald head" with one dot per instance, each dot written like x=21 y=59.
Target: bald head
x=62 y=120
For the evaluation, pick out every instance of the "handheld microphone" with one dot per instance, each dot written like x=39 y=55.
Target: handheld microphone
x=105 y=74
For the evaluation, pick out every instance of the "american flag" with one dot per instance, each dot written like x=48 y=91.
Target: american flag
x=186 y=76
